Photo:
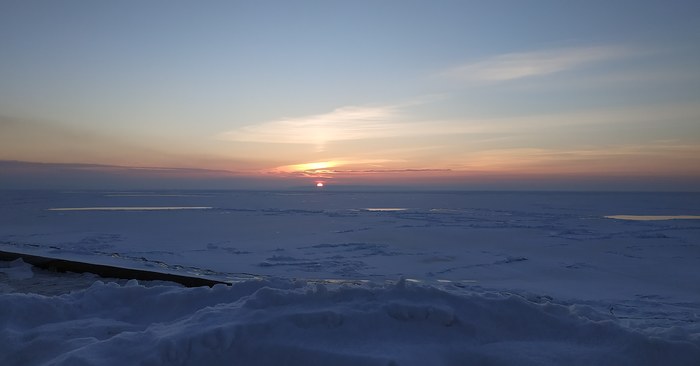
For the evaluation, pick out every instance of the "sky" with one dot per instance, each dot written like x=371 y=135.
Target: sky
x=540 y=95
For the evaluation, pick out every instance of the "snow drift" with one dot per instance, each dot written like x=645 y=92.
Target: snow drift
x=283 y=322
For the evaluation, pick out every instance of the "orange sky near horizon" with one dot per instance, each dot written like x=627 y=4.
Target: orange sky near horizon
x=287 y=95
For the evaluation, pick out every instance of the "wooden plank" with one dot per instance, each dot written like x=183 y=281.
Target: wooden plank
x=63 y=265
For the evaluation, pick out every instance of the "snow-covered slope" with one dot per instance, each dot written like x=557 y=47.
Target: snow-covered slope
x=295 y=323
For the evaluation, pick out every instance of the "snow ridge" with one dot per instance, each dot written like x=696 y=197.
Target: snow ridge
x=285 y=322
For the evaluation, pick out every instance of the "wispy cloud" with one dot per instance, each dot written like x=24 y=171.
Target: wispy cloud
x=512 y=66
x=661 y=156
x=10 y=165
x=361 y=123
x=343 y=167
x=30 y=175
x=341 y=124
x=346 y=123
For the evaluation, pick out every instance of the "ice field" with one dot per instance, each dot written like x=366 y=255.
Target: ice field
x=324 y=277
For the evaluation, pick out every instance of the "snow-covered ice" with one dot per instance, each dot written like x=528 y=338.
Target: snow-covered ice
x=490 y=278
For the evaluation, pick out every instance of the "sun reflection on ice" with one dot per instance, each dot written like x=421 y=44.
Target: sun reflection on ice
x=653 y=217
x=131 y=208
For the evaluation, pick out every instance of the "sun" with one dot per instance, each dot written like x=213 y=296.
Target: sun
x=319 y=184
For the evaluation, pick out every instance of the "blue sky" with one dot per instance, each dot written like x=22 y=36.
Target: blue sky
x=441 y=93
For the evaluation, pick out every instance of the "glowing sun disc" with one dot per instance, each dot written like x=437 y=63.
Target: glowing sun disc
x=319 y=184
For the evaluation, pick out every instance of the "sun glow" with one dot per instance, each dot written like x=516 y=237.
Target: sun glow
x=312 y=166
x=319 y=184
x=322 y=167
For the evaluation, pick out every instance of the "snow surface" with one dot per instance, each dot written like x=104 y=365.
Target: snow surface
x=491 y=278
x=283 y=322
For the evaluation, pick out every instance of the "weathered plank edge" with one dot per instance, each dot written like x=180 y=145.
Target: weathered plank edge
x=64 y=265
